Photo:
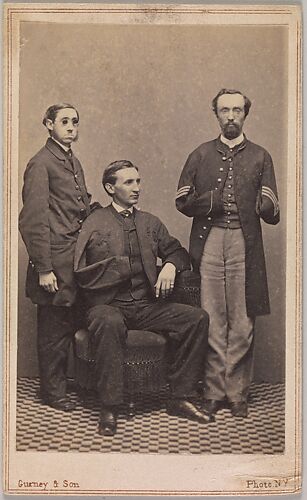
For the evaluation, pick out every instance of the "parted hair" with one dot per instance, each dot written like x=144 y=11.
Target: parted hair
x=53 y=110
x=109 y=174
x=247 y=101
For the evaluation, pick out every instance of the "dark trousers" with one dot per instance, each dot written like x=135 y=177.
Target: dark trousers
x=186 y=328
x=55 y=329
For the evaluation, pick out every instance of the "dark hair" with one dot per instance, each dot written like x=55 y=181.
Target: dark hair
x=53 y=110
x=109 y=174
x=247 y=101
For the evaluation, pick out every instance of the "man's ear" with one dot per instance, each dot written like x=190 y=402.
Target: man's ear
x=109 y=188
x=49 y=124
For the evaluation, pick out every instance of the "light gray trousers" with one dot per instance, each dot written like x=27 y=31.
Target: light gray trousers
x=228 y=368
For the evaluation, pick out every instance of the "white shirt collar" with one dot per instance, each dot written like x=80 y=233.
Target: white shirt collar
x=231 y=143
x=61 y=145
x=119 y=209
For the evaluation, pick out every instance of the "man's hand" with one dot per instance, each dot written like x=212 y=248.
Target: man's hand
x=166 y=280
x=48 y=282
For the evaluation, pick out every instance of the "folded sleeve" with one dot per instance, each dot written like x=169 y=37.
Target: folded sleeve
x=102 y=274
x=267 y=201
x=188 y=200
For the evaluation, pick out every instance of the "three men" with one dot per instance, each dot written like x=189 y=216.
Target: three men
x=116 y=266
x=227 y=185
x=55 y=203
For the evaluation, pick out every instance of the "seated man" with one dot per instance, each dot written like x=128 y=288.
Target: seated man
x=115 y=265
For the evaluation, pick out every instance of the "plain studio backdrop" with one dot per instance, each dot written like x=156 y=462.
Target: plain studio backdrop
x=144 y=94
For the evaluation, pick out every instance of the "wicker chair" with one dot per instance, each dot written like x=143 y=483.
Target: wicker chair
x=146 y=352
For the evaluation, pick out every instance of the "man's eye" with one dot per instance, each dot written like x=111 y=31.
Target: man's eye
x=75 y=122
x=64 y=122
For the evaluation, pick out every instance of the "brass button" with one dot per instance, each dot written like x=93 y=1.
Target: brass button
x=204 y=227
x=224 y=158
x=80 y=221
x=229 y=196
x=77 y=187
x=79 y=197
x=230 y=168
x=230 y=177
x=230 y=159
x=201 y=236
x=221 y=169
x=219 y=180
x=230 y=186
x=209 y=218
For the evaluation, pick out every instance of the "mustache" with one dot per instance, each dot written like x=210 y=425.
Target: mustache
x=231 y=123
x=231 y=127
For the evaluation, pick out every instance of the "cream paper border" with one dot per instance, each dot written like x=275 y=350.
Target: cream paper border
x=140 y=474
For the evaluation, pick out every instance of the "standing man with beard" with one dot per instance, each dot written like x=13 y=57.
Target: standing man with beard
x=227 y=186
x=55 y=204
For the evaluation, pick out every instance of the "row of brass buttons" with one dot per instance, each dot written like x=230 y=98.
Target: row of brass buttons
x=224 y=158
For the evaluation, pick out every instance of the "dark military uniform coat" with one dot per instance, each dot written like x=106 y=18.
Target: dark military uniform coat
x=199 y=196
x=101 y=263
x=55 y=204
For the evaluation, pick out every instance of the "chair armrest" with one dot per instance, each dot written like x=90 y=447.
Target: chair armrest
x=187 y=289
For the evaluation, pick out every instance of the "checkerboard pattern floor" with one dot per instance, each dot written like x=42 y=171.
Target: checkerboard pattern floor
x=152 y=430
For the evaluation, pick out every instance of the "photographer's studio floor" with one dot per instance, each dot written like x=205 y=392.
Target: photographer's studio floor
x=152 y=430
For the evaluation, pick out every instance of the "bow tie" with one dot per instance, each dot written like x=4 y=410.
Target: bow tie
x=125 y=213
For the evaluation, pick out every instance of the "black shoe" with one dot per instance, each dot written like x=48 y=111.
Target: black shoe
x=186 y=409
x=212 y=406
x=238 y=408
x=108 y=422
x=62 y=404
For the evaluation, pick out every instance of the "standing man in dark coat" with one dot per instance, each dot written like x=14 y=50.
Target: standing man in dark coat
x=116 y=266
x=227 y=185
x=55 y=204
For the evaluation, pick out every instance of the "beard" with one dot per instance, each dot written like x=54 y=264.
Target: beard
x=231 y=130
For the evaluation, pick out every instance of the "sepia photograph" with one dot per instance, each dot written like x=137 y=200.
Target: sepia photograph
x=152 y=249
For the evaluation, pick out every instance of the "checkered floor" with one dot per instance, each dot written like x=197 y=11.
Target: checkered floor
x=152 y=430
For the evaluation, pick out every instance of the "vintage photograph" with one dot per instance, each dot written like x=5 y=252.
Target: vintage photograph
x=153 y=249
